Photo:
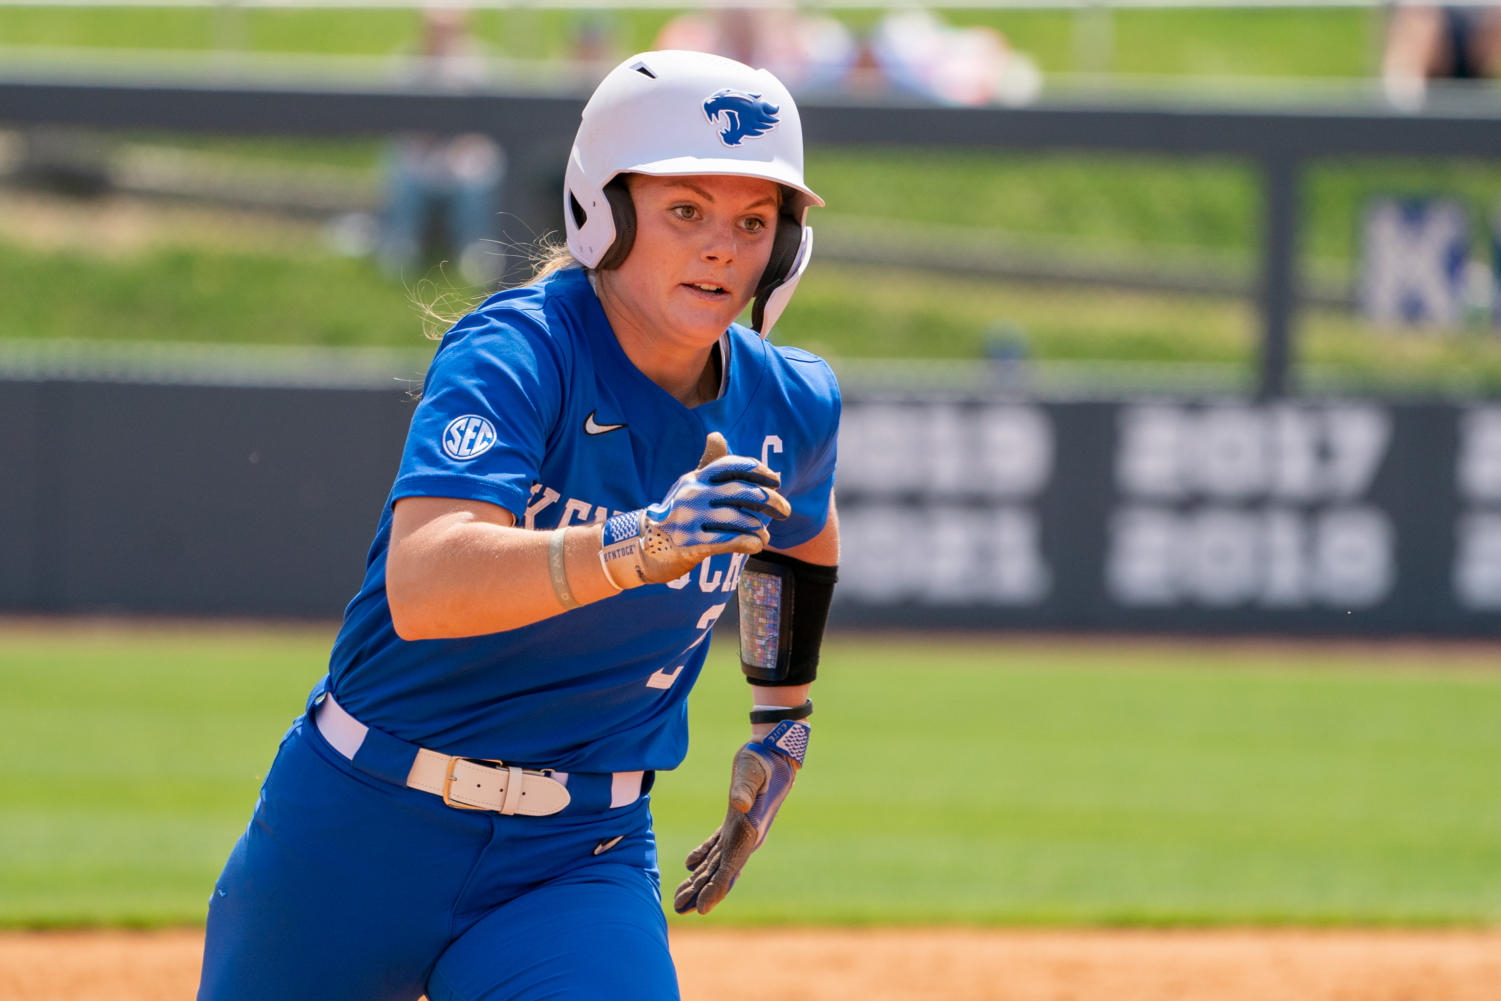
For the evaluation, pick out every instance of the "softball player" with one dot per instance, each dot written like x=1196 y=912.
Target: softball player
x=600 y=461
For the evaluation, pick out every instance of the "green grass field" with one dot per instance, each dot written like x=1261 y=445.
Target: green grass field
x=294 y=292
x=1272 y=42
x=1001 y=781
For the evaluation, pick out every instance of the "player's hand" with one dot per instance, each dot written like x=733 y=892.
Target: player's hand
x=723 y=506
x=760 y=779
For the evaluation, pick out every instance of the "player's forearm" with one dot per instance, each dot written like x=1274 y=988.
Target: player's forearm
x=780 y=696
x=468 y=578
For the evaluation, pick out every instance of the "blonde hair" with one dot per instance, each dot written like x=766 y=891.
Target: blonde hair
x=440 y=308
x=549 y=258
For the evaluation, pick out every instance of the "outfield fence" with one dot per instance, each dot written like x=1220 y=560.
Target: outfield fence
x=981 y=509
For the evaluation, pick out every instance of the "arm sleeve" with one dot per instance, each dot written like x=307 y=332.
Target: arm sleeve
x=489 y=404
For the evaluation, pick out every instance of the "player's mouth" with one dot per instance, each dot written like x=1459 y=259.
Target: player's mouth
x=709 y=290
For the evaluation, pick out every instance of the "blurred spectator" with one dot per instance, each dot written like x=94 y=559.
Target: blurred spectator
x=914 y=52
x=1426 y=43
x=804 y=51
x=444 y=184
x=910 y=52
x=594 y=48
x=1008 y=350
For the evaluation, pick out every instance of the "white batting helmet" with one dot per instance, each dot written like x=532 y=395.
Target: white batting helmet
x=674 y=113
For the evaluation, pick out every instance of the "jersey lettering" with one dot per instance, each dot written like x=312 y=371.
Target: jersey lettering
x=575 y=510
x=773 y=443
x=711 y=615
x=723 y=581
x=549 y=498
x=732 y=578
x=663 y=678
x=580 y=510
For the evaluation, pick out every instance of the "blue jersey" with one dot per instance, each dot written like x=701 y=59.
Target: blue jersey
x=531 y=404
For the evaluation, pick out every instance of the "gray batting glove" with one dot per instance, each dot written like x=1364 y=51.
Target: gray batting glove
x=760 y=780
x=723 y=506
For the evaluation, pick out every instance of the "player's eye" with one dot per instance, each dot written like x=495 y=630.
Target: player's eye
x=685 y=211
x=754 y=224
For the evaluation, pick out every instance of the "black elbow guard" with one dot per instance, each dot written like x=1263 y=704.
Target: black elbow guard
x=784 y=605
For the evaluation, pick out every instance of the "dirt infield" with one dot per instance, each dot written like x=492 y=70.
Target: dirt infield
x=899 y=965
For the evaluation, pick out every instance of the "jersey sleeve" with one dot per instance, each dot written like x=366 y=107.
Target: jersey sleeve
x=809 y=488
x=489 y=403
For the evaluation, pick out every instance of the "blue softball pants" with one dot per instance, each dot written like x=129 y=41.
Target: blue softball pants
x=345 y=886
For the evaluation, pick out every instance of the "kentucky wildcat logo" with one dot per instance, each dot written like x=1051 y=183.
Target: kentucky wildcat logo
x=739 y=115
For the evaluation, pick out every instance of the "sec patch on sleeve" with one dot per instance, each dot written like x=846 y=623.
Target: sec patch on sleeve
x=468 y=436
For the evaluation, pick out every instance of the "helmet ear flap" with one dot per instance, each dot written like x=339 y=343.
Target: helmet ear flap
x=618 y=194
x=784 y=248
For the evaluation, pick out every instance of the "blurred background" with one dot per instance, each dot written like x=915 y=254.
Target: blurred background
x=1178 y=319
x=1162 y=315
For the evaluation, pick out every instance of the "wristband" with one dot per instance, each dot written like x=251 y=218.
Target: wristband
x=558 y=571
x=790 y=737
x=605 y=569
x=777 y=714
x=620 y=543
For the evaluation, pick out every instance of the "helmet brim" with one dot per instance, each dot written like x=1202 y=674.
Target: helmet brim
x=683 y=166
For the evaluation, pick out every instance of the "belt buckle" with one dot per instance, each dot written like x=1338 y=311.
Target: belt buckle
x=448 y=777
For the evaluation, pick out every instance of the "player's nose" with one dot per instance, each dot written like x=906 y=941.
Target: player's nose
x=721 y=243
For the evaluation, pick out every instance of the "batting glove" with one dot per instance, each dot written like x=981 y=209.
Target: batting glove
x=723 y=506
x=760 y=779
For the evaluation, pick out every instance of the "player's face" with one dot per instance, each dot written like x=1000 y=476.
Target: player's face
x=701 y=244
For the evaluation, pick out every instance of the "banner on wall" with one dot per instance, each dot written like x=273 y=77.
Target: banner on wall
x=1347 y=517
x=1414 y=253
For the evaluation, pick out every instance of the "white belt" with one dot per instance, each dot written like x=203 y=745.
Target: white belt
x=473 y=783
